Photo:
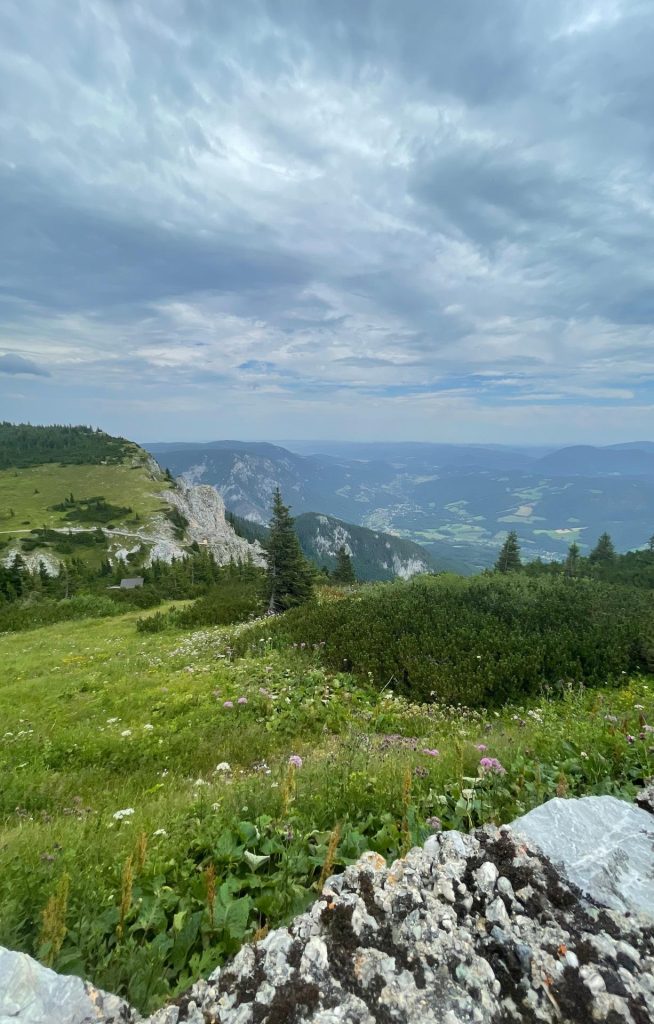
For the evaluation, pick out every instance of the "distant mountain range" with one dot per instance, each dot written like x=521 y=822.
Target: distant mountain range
x=375 y=555
x=457 y=501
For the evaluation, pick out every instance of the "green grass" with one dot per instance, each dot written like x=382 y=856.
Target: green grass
x=97 y=718
x=31 y=492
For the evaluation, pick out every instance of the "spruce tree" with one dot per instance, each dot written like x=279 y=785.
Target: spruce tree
x=344 y=571
x=289 y=576
x=572 y=560
x=603 y=552
x=508 y=559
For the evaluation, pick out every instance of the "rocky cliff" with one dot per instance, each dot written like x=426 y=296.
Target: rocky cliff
x=204 y=510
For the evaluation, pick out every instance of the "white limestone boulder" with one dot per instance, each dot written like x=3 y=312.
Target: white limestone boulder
x=604 y=845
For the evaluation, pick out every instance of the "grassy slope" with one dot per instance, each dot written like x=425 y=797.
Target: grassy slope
x=122 y=485
x=65 y=768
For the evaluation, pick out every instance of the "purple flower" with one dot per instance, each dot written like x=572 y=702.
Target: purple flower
x=228 y=704
x=630 y=739
x=491 y=765
x=481 y=747
x=242 y=700
x=431 y=753
x=295 y=761
x=434 y=823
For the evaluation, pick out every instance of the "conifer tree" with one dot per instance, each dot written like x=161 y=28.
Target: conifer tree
x=289 y=576
x=603 y=552
x=344 y=571
x=508 y=559
x=572 y=560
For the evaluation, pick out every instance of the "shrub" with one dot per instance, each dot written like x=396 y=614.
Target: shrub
x=232 y=601
x=487 y=639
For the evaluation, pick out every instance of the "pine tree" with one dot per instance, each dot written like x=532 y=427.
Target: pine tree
x=344 y=571
x=509 y=557
x=572 y=560
x=603 y=552
x=289 y=575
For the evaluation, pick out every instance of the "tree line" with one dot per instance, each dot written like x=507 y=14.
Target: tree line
x=634 y=568
x=23 y=445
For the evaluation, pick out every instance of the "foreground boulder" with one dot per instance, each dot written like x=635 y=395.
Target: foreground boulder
x=32 y=994
x=602 y=844
x=470 y=929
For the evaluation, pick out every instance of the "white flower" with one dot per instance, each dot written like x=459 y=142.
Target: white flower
x=126 y=732
x=110 y=721
x=584 y=755
x=222 y=767
x=148 y=727
x=160 y=832
x=200 y=782
x=126 y=812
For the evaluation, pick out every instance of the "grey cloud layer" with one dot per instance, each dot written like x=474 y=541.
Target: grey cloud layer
x=309 y=200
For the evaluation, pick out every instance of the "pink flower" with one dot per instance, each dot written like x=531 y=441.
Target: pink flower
x=491 y=765
x=630 y=739
x=228 y=704
x=481 y=747
x=431 y=753
x=242 y=700
x=295 y=761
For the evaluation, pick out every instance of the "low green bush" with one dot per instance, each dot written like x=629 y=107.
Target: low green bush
x=482 y=640
x=233 y=600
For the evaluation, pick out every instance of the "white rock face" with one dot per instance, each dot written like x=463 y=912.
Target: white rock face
x=205 y=511
x=32 y=994
x=34 y=560
x=604 y=845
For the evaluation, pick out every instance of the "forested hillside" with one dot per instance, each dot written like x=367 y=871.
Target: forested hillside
x=375 y=555
x=22 y=444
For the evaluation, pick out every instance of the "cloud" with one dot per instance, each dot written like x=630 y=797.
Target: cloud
x=15 y=365
x=301 y=205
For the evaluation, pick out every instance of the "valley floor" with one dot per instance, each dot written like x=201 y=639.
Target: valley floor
x=162 y=800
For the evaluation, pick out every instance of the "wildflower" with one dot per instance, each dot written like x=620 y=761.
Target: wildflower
x=126 y=732
x=242 y=700
x=126 y=812
x=431 y=753
x=200 y=782
x=434 y=823
x=295 y=761
x=222 y=767
x=110 y=721
x=584 y=755
x=160 y=832
x=630 y=739
x=481 y=747
x=491 y=765
x=639 y=707
x=610 y=718
x=148 y=727
x=420 y=772
x=228 y=704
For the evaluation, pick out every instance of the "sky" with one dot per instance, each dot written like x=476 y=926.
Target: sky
x=352 y=220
